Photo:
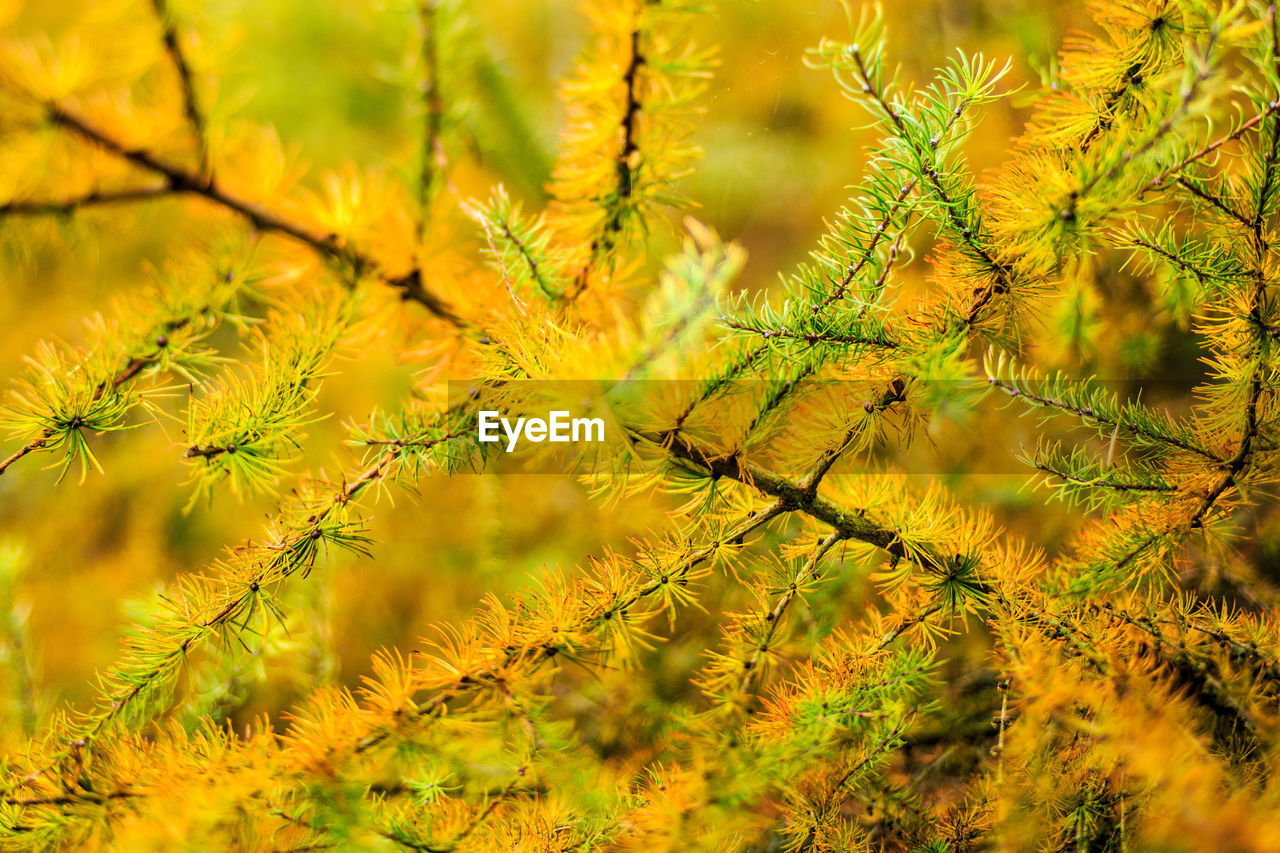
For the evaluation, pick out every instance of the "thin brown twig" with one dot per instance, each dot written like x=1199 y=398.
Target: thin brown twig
x=180 y=180
x=190 y=101
x=93 y=198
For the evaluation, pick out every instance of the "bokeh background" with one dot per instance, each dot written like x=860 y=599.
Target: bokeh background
x=334 y=79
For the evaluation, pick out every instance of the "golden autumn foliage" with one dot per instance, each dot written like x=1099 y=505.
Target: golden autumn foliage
x=934 y=356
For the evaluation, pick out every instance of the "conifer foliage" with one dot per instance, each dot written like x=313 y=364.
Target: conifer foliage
x=958 y=536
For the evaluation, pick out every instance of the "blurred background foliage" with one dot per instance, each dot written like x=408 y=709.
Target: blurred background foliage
x=335 y=81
